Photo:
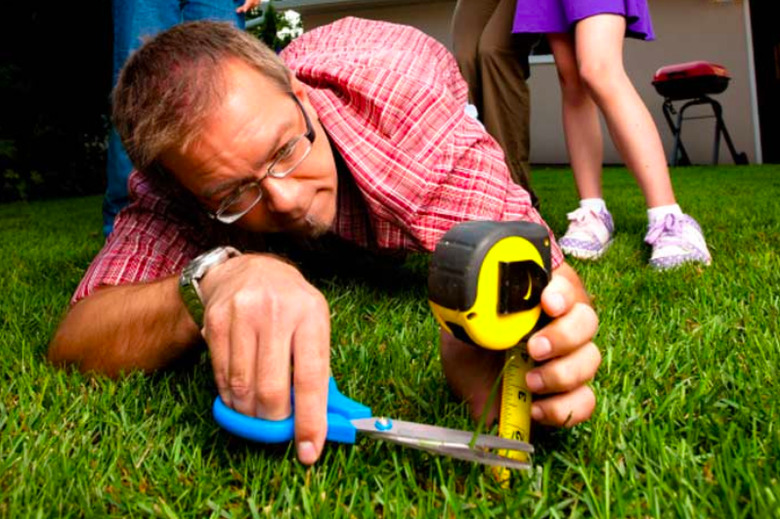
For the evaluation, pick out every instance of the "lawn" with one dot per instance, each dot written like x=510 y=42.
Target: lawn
x=687 y=424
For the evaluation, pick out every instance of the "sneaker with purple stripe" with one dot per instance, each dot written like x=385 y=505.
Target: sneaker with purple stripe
x=676 y=239
x=589 y=234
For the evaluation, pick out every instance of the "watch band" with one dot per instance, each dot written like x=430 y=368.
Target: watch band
x=189 y=287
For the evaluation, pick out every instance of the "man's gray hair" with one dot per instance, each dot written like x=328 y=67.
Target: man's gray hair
x=176 y=80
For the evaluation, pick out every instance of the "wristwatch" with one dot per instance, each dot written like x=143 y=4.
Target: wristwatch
x=189 y=289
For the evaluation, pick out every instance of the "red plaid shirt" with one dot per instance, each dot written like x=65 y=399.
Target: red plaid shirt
x=393 y=101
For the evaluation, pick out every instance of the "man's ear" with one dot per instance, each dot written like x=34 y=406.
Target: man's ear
x=299 y=90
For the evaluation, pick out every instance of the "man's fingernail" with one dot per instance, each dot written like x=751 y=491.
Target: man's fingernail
x=535 y=381
x=537 y=413
x=540 y=347
x=556 y=302
x=306 y=453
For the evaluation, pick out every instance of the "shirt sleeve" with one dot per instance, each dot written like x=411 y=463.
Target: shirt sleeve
x=146 y=244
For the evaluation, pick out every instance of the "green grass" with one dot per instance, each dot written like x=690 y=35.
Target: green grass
x=687 y=424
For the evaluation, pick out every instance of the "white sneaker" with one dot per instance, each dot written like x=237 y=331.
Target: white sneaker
x=676 y=239
x=589 y=234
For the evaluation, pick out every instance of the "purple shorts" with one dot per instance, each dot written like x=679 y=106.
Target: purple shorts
x=543 y=16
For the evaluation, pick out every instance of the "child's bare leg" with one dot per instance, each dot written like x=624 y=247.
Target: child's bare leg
x=676 y=238
x=590 y=226
x=580 y=119
x=599 y=49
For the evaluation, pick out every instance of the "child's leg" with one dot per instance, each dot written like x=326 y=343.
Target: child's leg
x=581 y=126
x=590 y=226
x=599 y=50
x=676 y=238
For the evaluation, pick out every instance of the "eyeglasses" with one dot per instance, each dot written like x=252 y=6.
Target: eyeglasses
x=241 y=200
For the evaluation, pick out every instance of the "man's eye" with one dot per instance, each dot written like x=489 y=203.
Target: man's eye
x=285 y=151
x=231 y=197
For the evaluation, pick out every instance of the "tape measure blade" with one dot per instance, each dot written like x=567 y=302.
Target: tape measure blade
x=514 y=422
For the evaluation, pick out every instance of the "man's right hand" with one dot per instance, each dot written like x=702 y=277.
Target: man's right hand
x=261 y=319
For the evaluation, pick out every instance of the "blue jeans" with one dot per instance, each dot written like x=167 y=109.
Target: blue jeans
x=134 y=21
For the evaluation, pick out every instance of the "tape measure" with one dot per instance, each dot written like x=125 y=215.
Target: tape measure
x=484 y=285
x=514 y=420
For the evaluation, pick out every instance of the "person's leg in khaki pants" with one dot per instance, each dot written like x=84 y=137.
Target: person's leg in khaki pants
x=494 y=63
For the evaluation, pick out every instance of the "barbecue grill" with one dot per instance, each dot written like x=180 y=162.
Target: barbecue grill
x=694 y=82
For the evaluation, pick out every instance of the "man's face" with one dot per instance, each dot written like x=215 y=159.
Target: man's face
x=239 y=141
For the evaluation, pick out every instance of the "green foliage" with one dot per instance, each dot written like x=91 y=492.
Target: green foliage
x=54 y=161
x=54 y=89
x=275 y=29
x=54 y=92
x=269 y=28
x=687 y=422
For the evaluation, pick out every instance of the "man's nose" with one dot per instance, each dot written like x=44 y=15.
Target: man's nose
x=285 y=196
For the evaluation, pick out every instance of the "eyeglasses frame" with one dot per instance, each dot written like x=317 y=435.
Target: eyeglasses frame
x=309 y=135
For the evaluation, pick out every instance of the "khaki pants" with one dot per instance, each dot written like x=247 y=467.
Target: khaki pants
x=494 y=63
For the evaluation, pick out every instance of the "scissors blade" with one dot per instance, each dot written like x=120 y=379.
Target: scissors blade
x=441 y=438
x=390 y=428
x=463 y=452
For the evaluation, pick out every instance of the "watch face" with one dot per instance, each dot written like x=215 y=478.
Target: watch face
x=213 y=256
x=193 y=272
x=201 y=264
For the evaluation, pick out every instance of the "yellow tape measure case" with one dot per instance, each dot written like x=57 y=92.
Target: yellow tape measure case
x=485 y=281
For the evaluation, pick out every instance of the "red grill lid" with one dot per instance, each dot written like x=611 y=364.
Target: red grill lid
x=690 y=69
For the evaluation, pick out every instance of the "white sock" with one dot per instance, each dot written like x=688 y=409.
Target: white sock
x=657 y=213
x=596 y=204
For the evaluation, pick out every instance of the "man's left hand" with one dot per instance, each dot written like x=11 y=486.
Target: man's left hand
x=566 y=356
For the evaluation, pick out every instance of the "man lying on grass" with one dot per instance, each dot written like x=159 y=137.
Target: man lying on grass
x=362 y=135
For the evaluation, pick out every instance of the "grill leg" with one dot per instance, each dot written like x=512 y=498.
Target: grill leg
x=678 y=150
x=679 y=147
x=668 y=110
x=679 y=154
x=738 y=158
x=718 y=127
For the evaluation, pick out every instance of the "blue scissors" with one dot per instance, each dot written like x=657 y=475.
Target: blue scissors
x=346 y=417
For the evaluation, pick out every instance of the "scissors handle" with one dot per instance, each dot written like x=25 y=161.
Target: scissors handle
x=341 y=410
